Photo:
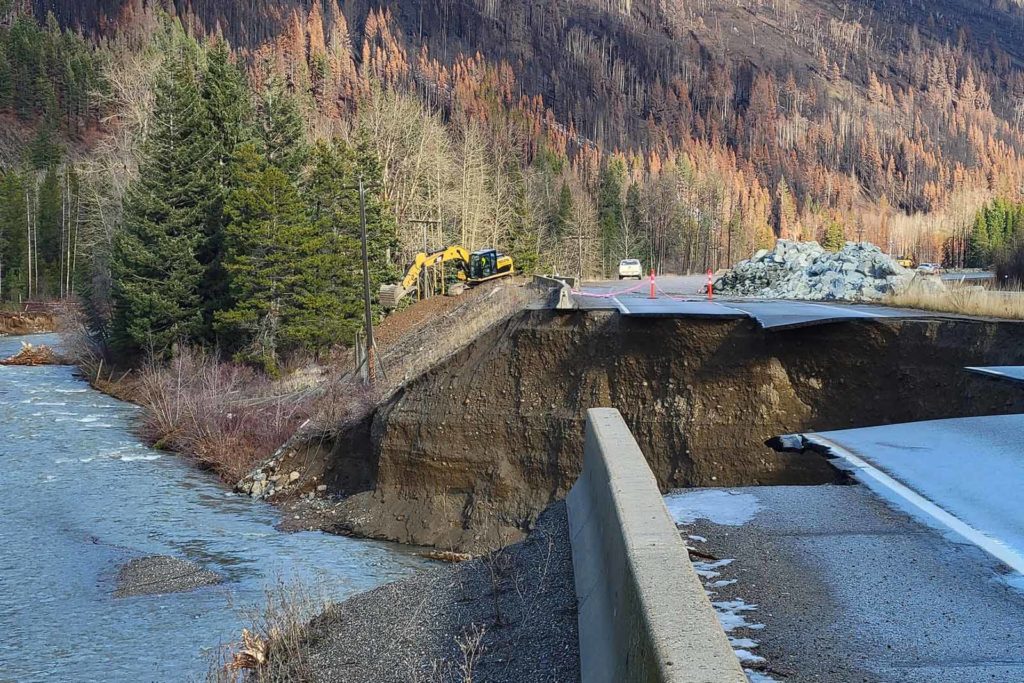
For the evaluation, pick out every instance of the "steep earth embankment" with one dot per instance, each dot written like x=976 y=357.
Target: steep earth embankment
x=26 y=323
x=467 y=455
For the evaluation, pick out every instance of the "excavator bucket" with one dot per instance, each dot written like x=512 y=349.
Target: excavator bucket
x=390 y=295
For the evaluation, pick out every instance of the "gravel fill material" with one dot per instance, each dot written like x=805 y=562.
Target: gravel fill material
x=161 y=574
x=518 y=605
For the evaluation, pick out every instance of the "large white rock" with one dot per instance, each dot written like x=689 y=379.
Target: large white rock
x=804 y=270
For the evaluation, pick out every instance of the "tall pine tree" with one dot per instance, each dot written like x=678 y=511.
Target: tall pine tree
x=155 y=269
x=281 y=129
x=332 y=302
x=268 y=240
x=609 y=212
x=978 y=245
x=226 y=95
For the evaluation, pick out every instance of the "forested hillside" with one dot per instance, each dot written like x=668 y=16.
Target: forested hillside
x=570 y=133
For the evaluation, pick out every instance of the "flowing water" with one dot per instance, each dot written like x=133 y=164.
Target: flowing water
x=80 y=495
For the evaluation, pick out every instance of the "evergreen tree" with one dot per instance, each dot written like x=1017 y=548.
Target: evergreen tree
x=281 y=128
x=561 y=220
x=331 y=304
x=49 y=217
x=157 y=277
x=835 y=238
x=6 y=78
x=634 y=217
x=522 y=243
x=268 y=242
x=977 y=244
x=13 y=231
x=609 y=211
x=226 y=96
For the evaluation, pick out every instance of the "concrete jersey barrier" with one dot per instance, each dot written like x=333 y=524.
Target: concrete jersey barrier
x=643 y=613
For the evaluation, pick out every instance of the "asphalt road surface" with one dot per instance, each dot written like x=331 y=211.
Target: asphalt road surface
x=963 y=475
x=681 y=297
x=831 y=584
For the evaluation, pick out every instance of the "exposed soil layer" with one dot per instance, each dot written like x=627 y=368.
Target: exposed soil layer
x=26 y=323
x=467 y=455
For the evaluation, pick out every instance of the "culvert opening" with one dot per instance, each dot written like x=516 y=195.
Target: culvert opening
x=468 y=454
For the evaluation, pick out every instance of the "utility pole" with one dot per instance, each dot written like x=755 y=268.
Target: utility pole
x=368 y=312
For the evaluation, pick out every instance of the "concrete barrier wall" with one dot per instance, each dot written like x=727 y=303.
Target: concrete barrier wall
x=643 y=613
x=560 y=289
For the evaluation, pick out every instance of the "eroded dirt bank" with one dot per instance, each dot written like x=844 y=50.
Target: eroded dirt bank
x=467 y=455
x=26 y=323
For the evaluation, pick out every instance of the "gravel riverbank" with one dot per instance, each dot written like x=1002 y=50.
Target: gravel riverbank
x=509 y=616
x=162 y=574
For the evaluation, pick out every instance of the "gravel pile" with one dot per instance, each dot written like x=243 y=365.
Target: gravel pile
x=161 y=574
x=804 y=270
x=510 y=617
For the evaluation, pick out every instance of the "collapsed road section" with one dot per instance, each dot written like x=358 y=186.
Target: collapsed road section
x=465 y=456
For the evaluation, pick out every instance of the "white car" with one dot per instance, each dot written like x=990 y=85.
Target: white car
x=630 y=267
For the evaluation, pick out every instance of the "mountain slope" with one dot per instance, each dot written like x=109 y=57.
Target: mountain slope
x=854 y=111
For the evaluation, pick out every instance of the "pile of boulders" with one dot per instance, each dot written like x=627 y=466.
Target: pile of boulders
x=860 y=271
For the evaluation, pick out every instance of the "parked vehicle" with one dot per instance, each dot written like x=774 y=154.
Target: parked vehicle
x=630 y=267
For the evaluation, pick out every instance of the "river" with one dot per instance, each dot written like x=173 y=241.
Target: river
x=80 y=495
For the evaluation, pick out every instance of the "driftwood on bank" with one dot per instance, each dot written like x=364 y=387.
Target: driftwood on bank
x=35 y=355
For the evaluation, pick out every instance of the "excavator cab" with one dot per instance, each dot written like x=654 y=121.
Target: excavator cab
x=488 y=263
x=482 y=264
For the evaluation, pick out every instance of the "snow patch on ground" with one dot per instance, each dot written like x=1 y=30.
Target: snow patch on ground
x=731 y=614
x=706 y=570
x=718 y=506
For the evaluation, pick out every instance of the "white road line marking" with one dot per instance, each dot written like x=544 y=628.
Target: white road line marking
x=917 y=505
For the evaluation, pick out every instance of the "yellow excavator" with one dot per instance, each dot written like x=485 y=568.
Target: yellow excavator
x=470 y=268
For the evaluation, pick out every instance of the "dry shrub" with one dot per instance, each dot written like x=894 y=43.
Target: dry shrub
x=226 y=416
x=1007 y=303
x=272 y=648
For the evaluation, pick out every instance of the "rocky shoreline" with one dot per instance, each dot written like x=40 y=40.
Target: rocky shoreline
x=507 y=617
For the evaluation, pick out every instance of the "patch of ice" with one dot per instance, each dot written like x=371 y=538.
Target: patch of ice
x=707 y=569
x=699 y=539
x=731 y=615
x=745 y=643
x=747 y=657
x=758 y=677
x=719 y=506
x=723 y=583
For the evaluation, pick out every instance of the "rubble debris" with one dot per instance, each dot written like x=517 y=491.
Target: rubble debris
x=860 y=271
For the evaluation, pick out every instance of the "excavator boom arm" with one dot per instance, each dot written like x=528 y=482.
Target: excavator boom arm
x=425 y=260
